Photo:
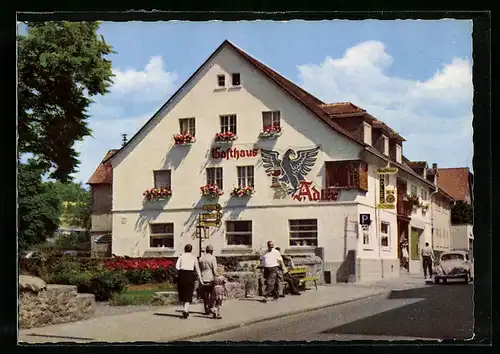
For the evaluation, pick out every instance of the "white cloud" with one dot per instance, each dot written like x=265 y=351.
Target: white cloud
x=434 y=115
x=151 y=84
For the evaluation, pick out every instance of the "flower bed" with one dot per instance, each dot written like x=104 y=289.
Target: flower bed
x=271 y=132
x=225 y=137
x=184 y=139
x=241 y=192
x=212 y=191
x=126 y=263
x=157 y=193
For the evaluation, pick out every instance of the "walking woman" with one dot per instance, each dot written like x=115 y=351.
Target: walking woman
x=188 y=270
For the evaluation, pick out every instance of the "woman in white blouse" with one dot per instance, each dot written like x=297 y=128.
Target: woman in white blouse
x=188 y=269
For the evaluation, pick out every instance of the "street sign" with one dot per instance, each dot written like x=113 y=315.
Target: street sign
x=364 y=219
x=385 y=206
x=387 y=171
x=211 y=207
x=210 y=223
x=210 y=216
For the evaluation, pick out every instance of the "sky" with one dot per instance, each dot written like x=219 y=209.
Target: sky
x=414 y=75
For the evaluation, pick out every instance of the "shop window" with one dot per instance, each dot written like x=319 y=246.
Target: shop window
x=303 y=232
x=239 y=233
x=163 y=179
x=347 y=174
x=384 y=234
x=161 y=235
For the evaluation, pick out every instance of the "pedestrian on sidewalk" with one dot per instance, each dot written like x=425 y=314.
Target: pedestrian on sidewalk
x=271 y=262
x=406 y=256
x=219 y=294
x=208 y=269
x=188 y=270
x=427 y=254
x=293 y=282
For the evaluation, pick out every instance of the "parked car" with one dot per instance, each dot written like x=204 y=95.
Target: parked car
x=454 y=265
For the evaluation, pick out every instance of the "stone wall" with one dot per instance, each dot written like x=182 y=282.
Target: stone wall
x=42 y=305
x=242 y=284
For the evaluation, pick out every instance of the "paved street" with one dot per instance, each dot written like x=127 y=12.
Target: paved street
x=430 y=312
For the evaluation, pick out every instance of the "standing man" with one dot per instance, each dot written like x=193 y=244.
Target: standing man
x=208 y=269
x=271 y=262
x=427 y=254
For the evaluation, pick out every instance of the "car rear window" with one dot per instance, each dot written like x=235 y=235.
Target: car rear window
x=452 y=257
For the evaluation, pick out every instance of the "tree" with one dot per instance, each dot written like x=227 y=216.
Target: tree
x=38 y=207
x=462 y=213
x=75 y=203
x=61 y=65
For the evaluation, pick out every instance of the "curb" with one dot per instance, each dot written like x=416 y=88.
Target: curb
x=265 y=319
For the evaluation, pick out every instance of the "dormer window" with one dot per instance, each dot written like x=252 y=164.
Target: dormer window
x=236 y=79
x=221 y=80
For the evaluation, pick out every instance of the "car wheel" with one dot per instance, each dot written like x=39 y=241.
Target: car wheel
x=436 y=280
x=466 y=280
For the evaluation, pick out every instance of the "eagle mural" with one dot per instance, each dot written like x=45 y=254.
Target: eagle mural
x=292 y=168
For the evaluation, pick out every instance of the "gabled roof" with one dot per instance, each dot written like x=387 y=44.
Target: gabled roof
x=456 y=182
x=104 y=172
x=306 y=99
x=418 y=166
x=341 y=108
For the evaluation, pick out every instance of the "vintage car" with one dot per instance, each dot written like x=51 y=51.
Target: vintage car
x=454 y=265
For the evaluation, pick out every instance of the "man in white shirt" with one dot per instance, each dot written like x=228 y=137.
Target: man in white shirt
x=427 y=258
x=271 y=262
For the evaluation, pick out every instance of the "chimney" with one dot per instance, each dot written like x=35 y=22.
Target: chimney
x=124 y=139
x=434 y=166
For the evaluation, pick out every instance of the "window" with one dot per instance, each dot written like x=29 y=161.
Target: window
x=162 y=235
x=303 y=232
x=239 y=233
x=236 y=79
x=414 y=190
x=214 y=176
x=245 y=176
x=366 y=238
x=162 y=179
x=423 y=194
x=228 y=123
x=187 y=125
x=384 y=234
x=347 y=174
x=221 y=80
x=271 y=119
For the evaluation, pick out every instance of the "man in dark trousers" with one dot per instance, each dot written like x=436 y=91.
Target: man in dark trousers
x=427 y=254
x=292 y=281
x=271 y=262
x=208 y=269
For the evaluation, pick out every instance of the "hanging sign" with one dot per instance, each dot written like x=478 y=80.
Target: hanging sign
x=211 y=207
x=387 y=171
x=385 y=206
x=233 y=153
x=382 y=189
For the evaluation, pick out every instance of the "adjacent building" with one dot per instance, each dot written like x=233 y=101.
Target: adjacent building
x=317 y=178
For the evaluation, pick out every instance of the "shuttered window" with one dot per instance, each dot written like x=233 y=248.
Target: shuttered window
x=347 y=174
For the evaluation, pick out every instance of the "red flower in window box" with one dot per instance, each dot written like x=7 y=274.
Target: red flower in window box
x=271 y=132
x=241 y=192
x=225 y=137
x=184 y=139
x=211 y=190
x=157 y=193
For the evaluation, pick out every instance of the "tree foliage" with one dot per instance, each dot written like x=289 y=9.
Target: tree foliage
x=75 y=203
x=462 y=213
x=61 y=65
x=38 y=207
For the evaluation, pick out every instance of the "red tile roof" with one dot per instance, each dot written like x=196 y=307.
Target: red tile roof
x=456 y=182
x=104 y=172
x=341 y=108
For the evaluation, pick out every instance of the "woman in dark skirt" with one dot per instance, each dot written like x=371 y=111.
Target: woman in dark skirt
x=188 y=271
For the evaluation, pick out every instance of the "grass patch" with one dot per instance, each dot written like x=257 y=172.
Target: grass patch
x=139 y=294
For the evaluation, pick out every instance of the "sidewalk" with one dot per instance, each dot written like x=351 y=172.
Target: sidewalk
x=164 y=324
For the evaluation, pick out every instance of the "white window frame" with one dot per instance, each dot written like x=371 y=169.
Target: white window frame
x=232 y=79
x=367 y=239
x=223 y=79
x=274 y=117
x=169 y=179
x=215 y=176
x=228 y=123
x=385 y=235
x=303 y=241
x=165 y=235
x=246 y=177
x=248 y=233
x=424 y=195
x=187 y=125
x=412 y=189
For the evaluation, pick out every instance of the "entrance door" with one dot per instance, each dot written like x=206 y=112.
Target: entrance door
x=415 y=244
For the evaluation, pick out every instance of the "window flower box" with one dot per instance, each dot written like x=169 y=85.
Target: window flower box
x=271 y=132
x=184 y=139
x=225 y=137
x=210 y=190
x=157 y=194
x=424 y=207
x=241 y=192
x=414 y=200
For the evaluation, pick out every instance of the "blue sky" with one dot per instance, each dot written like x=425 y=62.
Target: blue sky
x=414 y=75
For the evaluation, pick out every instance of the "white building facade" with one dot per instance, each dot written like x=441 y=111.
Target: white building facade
x=324 y=178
